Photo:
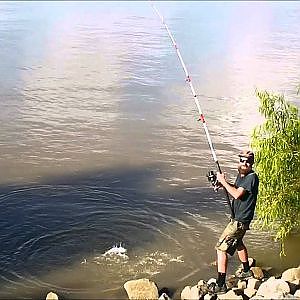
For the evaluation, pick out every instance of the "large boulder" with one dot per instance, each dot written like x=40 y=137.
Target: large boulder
x=273 y=288
x=141 y=289
x=253 y=283
x=291 y=274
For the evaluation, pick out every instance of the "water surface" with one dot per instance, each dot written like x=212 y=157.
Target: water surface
x=100 y=142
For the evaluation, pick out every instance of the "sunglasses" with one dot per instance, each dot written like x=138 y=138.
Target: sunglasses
x=243 y=160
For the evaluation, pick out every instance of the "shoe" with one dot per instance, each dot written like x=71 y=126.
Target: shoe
x=241 y=274
x=217 y=290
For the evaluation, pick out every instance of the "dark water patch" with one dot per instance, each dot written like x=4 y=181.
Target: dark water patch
x=52 y=226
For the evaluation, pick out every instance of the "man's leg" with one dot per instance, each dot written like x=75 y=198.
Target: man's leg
x=243 y=256
x=222 y=267
x=222 y=246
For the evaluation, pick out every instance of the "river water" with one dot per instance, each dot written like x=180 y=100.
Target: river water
x=100 y=143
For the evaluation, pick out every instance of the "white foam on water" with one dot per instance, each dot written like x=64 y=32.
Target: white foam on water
x=155 y=262
x=117 y=251
x=146 y=263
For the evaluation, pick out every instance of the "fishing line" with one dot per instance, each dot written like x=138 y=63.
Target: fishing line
x=201 y=118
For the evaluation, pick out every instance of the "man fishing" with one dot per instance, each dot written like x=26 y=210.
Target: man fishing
x=244 y=191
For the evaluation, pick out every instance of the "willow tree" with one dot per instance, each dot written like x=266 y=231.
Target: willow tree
x=277 y=148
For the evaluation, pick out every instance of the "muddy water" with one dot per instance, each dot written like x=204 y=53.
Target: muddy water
x=100 y=143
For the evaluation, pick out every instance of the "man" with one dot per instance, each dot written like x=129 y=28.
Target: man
x=244 y=191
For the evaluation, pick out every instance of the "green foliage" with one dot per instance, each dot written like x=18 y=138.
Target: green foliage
x=276 y=144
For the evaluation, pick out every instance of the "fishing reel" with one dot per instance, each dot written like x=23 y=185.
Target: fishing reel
x=212 y=178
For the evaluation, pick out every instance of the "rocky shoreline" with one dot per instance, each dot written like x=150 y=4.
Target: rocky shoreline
x=261 y=286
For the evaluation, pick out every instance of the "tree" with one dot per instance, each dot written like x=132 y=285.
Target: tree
x=276 y=144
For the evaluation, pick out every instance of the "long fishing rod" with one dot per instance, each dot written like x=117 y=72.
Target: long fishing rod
x=201 y=118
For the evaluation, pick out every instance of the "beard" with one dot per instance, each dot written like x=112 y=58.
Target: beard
x=243 y=170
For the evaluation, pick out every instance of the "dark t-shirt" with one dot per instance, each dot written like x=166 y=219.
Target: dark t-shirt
x=244 y=207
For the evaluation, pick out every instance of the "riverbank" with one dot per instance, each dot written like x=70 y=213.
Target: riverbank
x=262 y=285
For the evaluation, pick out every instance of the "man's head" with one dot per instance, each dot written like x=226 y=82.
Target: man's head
x=246 y=161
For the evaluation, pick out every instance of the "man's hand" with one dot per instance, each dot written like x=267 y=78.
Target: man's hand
x=217 y=186
x=221 y=178
x=236 y=193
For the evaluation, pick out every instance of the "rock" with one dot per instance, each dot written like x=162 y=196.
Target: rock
x=289 y=296
x=166 y=291
x=270 y=288
x=141 y=289
x=211 y=283
x=275 y=295
x=257 y=272
x=242 y=284
x=195 y=293
x=249 y=292
x=210 y=297
x=201 y=283
x=232 y=282
x=281 y=286
x=291 y=274
x=264 y=287
x=164 y=296
x=202 y=286
x=297 y=294
x=186 y=293
x=211 y=280
x=238 y=291
x=51 y=296
x=191 y=293
x=230 y=295
x=253 y=283
x=296 y=282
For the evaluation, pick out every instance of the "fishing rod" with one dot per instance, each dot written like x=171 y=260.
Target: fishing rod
x=188 y=79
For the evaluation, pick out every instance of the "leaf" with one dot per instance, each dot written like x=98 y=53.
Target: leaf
x=276 y=143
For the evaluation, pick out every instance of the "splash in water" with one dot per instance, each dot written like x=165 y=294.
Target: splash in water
x=117 y=250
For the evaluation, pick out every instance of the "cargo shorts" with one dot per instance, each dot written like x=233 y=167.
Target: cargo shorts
x=232 y=237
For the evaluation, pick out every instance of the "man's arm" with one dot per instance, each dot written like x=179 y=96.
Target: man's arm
x=236 y=193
